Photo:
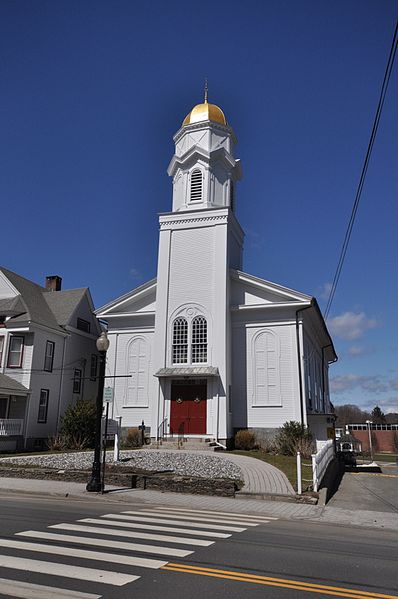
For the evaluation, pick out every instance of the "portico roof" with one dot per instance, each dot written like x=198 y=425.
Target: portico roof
x=187 y=371
x=9 y=386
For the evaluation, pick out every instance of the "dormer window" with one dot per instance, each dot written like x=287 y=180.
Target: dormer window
x=196 y=186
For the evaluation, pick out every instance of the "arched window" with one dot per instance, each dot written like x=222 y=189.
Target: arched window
x=199 y=340
x=180 y=341
x=196 y=186
x=266 y=370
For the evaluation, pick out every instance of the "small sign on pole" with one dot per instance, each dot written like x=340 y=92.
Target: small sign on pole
x=108 y=395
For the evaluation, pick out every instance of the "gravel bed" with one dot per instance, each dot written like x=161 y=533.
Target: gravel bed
x=185 y=464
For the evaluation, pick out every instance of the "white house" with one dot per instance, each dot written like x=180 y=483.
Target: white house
x=48 y=357
x=206 y=349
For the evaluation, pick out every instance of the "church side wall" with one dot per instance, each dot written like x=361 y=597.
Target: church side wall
x=135 y=397
x=284 y=403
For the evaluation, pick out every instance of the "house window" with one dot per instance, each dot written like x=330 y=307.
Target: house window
x=1 y=349
x=196 y=186
x=77 y=381
x=199 y=340
x=180 y=341
x=15 y=352
x=49 y=356
x=43 y=405
x=83 y=325
x=93 y=367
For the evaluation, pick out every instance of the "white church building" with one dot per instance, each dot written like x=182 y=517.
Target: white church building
x=209 y=349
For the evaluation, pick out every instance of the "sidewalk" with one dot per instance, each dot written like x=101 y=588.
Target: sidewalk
x=278 y=509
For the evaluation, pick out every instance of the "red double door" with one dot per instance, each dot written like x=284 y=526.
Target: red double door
x=188 y=409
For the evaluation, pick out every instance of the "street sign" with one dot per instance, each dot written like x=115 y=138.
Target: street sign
x=108 y=394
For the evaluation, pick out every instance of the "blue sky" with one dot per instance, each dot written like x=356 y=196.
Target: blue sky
x=93 y=91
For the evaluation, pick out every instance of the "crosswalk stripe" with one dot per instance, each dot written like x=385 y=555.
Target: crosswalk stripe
x=197 y=518
x=252 y=517
x=177 y=522
x=135 y=525
x=128 y=533
x=84 y=554
x=28 y=590
x=35 y=534
x=88 y=574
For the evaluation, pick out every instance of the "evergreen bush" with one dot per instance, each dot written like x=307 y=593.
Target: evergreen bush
x=77 y=429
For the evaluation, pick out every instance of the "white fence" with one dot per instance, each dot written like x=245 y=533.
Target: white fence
x=320 y=461
x=10 y=427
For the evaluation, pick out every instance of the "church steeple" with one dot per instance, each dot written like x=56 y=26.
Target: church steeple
x=203 y=167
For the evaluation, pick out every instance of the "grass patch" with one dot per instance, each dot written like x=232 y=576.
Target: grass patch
x=385 y=457
x=285 y=463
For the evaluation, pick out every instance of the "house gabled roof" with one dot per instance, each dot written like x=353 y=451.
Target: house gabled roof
x=31 y=299
x=53 y=309
x=64 y=303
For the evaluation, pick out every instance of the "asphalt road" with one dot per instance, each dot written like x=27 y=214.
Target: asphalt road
x=265 y=558
x=375 y=491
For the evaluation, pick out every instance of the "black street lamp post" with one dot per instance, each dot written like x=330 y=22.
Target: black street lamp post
x=94 y=484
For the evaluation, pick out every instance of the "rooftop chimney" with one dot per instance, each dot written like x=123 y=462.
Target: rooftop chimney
x=53 y=283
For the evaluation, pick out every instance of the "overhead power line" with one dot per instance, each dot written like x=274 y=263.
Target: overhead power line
x=347 y=237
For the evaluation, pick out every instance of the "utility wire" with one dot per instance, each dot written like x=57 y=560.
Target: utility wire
x=347 y=237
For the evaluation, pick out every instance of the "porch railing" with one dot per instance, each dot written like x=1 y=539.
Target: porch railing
x=10 y=427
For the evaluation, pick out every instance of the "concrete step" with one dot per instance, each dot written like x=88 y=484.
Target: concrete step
x=184 y=444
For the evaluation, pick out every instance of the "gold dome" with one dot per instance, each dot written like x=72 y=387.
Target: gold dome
x=205 y=112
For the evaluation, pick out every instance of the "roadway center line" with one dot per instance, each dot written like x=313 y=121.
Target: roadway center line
x=298 y=585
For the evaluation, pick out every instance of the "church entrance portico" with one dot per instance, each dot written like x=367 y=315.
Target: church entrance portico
x=188 y=407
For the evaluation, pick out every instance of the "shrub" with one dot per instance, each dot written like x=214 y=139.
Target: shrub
x=56 y=443
x=290 y=435
x=133 y=438
x=305 y=446
x=77 y=429
x=246 y=440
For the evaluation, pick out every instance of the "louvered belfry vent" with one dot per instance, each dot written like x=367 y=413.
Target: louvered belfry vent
x=196 y=186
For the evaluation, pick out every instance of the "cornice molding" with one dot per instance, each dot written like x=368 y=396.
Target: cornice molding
x=193 y=219
x=204 y=125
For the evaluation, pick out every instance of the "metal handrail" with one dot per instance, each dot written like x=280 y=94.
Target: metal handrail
x=162 y=429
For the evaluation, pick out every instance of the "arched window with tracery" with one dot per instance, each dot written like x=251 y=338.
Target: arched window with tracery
x=180 y=341
x=196 y=186
x=199 y=340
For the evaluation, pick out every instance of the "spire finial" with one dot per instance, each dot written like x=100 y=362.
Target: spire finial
x=206 y=91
